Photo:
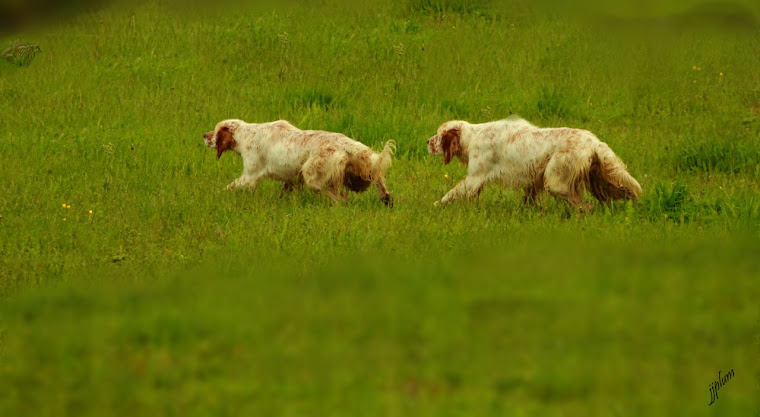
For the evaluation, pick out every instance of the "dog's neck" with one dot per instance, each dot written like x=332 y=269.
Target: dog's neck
x=466 y=132
x=244 y=135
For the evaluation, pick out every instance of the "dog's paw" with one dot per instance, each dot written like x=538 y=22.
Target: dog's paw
x=388 y=200
x=437 y=204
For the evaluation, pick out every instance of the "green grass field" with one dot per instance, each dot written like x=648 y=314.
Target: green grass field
x=158 y=293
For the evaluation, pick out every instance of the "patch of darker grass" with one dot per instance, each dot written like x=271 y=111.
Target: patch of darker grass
x=722 y=156
x=552 y=103
x=465 y=7
x=310 y=98
x=675 y=202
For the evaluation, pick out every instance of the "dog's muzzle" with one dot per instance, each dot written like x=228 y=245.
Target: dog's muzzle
x=431 y=145
x=208 y=139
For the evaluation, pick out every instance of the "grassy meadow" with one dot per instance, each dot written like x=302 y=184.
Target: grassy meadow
x=132 y=284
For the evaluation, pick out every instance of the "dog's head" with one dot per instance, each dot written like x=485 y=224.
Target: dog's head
x=447 y=141
x=222 y=138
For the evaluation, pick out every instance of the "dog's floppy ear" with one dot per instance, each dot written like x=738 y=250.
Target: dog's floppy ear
x=225 y=141
x=450 y=144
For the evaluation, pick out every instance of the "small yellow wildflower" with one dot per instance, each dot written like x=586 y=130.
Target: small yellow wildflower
x=63 y=219
x=699 y=68
x=68 y=207
x=445 y=175
x=90 y=211
x=64 y=205
x=721 y=74
x=694 y=68
x=694 y=81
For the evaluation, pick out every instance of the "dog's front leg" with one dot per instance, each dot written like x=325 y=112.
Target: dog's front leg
x=469 y=187
x=245 y=181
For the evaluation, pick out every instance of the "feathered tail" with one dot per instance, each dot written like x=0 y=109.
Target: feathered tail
x=382 y=161
x=608 y=177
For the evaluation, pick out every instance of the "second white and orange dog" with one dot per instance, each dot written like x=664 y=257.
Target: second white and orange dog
x=562 y=161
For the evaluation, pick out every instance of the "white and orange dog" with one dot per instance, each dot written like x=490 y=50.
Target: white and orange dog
x=562 y=161
x=325 y=161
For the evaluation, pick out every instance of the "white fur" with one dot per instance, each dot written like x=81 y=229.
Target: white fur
x=324 y=161
x=515 y=153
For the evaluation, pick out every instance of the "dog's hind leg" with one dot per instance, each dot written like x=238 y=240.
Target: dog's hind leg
x=325 y=172
x=383 y=193
x=564 y=180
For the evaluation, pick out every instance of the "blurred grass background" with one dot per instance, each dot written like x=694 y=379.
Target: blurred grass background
x=509 y=330
x=175 y=298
